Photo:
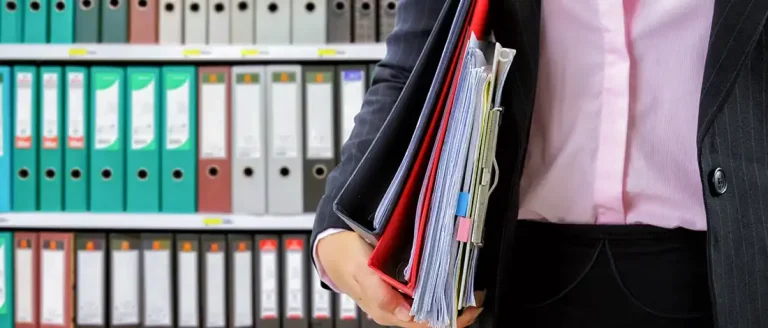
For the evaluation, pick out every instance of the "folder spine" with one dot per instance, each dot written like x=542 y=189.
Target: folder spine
x=273 y=21
x=6 y=128
x=215 y=159
x=240 y=284
x=219 y=16
x=26 y=271
x=309 y=21
x=62 y=26
x=295 y=281
x=76 y=159
x=195 y=21
x=12 y=21
x=214 y=280
x=170 y=22
x=91 y=269
x=114 y=14
x=107 y=131
x=6 y=305
x=364 y=21
x=36 y=21
x=319 y=131
x=55 y=247
x=157 y=292
x=143 y=134
x=88 y=21
x=243 y=24
x=51 y=145
x=249 y=176
x=268 y=262
x=25 y=151
x=187 y=280
x=339 y=21
x=143 y=22
x=125 y=283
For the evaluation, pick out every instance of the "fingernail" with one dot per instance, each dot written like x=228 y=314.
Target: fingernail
x=403 y=314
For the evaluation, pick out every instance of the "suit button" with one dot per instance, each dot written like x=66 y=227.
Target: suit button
x=717 y=182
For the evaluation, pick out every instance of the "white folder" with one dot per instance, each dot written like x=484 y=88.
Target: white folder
x=309 y=22
x=170 y=19
x=249 y=165
x=243 y=23
x=195 y=21
x=273 y=21
x=219 y=16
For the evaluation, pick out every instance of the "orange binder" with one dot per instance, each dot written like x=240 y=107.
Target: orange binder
x=142 y=27
x=27 y=274
x=56 y=280
x=214 y=157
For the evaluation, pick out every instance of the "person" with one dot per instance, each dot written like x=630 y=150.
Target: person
x=633 y=167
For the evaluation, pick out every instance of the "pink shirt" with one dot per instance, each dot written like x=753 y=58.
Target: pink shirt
x=613 y=136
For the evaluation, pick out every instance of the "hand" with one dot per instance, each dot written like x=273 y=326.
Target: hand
x=470 y=314
x=344 y=256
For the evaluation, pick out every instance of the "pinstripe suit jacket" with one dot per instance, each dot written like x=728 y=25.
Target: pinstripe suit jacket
x=732 y=136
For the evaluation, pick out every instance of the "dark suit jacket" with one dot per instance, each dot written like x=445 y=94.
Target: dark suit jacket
x=732 y=140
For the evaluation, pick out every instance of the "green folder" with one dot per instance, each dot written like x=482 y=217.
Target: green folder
x=11 y=20
x=76 y=144
x=51 y=139
x=36 y=21
x=87 y=21
x=25 y=145
x=6 y=303
x=106 y=132
x=62 y=24
x=143 y=152
x=115 y=22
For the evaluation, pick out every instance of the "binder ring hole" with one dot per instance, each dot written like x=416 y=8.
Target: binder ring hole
x=86 y=4
x=114 y=4
x=177 y=174
x=23 y=173
x=142 y=174
x=194 y=7
x=213 y=171
x=319 y=171
x=106 y=174
x=248 y=172
x=50 y=173
x=60 y=6
x=366 y=6
x=143 y=3
x=391 y=6
x=284 y=171
x=10 y=5
x=218 y=7
x=242 y=6
x=169 y=7
x=310 y=6
x=34 y=5
x=272 y=7
x=75 y=174
x=339 y=6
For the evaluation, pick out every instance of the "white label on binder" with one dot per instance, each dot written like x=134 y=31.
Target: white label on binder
x=52 y=269
x=319 y=132
x=321 y=298
x=285 y=113
x=249 y=105
x=215 y=289
x=90 y=301
x=268 y=274
x=143 y=114
x=23 y=110
x=294 y=267
x=3 y=286
x=352 y=93
x=2 y=111
x=348 y=308
x=24 y=285
x=107 y=118
x=213 y=121
x=75 y=111
x=188 y=287
x=177 y=113
x=242 y=288
x=125 y=287
x=50 y=126
x=157 y=288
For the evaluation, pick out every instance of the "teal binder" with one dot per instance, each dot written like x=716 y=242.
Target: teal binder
x=62 y=27
x=114 y=17
x=76 y=145
x=51 y=139
x=106 y=133
x=36 y=21
x=11 y=21
x=25 y=143
x=143 y=153
x=6 y=304
x=179 y=145
x=87 y=21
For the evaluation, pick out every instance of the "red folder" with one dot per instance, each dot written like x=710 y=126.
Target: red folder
x=392 y=252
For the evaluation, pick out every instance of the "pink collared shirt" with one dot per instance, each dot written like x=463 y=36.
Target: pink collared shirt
x=613 y=136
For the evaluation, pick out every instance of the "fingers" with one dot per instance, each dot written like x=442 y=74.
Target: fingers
x=469 y=316
x=384 y=304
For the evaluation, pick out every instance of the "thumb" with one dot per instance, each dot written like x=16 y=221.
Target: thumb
x=387 y=299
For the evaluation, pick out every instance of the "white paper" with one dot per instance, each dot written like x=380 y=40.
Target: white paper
x=188 y=285
x=268 y=274
x=215 y=290
x=3 y=286
x=107 y=116
x=321 y=298
x=348 y=307
x=125 y=287
x=75 y=108
x=50 y=103
x=177 y=117
x=52 y=269
x=319 y=123
x=243 y=289
x=213 y=142
x=90 y=301
x=294 y=288
x=249 y=105
x=24 y=107
x=285 y=113
x=24 y=285
x=157 y=288
x=143 y=116
x=352 y=93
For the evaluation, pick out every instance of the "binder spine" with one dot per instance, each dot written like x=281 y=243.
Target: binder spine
x=240 y=285
x=268 y=291
x=62 y=27
x=126 y=307
x=6 y=134
x=214 y=280
x=27 y=279
x=7 y=306
x=52 y=243
x=155 y=247
x=91 y=253
x=76 y=144
x=187 y=280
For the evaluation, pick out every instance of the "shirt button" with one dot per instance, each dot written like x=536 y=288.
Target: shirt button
x=717 y=182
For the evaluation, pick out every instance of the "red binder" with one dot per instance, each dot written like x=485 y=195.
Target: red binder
x=388 y=255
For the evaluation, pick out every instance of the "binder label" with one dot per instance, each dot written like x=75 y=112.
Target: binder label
x=25 y=288
x=143 y=111
x=321 y=298
x=243 y=285
x=319 y=113
x=90 y=295
x=50 y=125
x=352 y=93
x=188 y=284
x=268 y=274
x=294 y=278
x=3 y=286
x=125 y=282
x=248 y=105
x=213 y=118
x=52 y=270
x=107 y=111
x=23 y=110
x=178 y=111
x=348 y=308
x=285 y=115
x=215 y=286
x=76 y=111
x=157 y=283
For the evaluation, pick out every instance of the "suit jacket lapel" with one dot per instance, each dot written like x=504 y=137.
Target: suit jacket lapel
x=736 y=24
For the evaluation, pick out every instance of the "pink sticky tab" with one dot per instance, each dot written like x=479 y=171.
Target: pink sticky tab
x=464 y=228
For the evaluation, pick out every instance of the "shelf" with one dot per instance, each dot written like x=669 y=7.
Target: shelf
x=169 y=222
x=227 y=53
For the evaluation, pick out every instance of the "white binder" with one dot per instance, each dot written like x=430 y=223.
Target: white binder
x=170 y=21
x=219 y=16
x=309 y=22
x=352 y=88
x=243 y=24
x=195 y=21
x=273 y=21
